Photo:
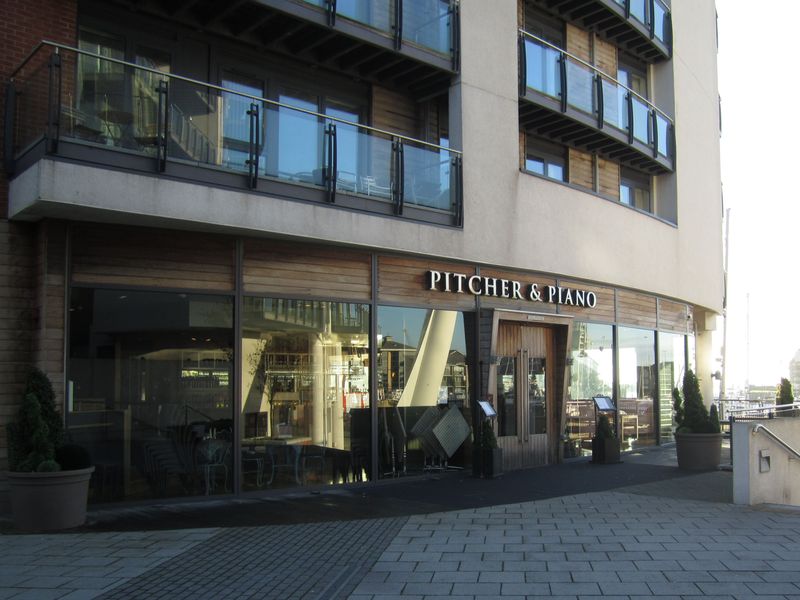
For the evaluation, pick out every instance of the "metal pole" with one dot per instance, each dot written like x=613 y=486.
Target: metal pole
x=723 y=378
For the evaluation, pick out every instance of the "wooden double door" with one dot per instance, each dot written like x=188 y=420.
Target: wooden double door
x=525 y=392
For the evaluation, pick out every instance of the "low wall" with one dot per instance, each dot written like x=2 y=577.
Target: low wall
x=763 y=471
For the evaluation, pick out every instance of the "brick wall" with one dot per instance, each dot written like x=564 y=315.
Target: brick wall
x=29 y=260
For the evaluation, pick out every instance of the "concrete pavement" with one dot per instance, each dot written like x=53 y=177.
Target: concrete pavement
x=674 y=537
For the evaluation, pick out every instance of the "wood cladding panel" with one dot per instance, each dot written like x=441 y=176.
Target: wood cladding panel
x=393 y=111
x=672 y=316
x=636 y=309
x=579 y=43
x=605 y=56
x=581 y=168
x=608 y=177
x=526 y=279
x=603 y=312
x=300 y=271
x=152 y=257
x=403 y=281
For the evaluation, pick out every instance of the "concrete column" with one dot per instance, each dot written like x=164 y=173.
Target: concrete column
x=422 y=385
x=318 y=394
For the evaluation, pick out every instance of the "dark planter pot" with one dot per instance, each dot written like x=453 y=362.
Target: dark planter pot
x=605 y=451
x=698 y=451
x=492 y=462
x=49 y=501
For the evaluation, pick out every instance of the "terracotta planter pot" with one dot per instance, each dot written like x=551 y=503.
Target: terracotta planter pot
x=49 y=501
x=698 y=451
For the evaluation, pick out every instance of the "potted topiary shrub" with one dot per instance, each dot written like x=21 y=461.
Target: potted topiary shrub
x=697 y=432
x=45 y=494
x=605 y=447
x=491 y=455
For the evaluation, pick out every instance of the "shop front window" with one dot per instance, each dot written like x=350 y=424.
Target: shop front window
x=671 y=368
x=637 y=385
x=305 y=393
x=149 y=392
x=423 y=391
x=592 y=374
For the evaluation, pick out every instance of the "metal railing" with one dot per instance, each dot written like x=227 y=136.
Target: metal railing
x=64 y=93
x=575 y=83
x=761 y=428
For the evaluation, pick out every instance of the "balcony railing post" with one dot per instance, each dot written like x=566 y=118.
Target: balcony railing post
x=562 y=73
x=654 y=128
x=456 y=185
x=455 y=34
x=600 y=100
x=8 y=132
x=651 y=18
x=330 y=12
x=162 y=125
x=627 y=9
x=253 y=146
x=331 y=162
x=629 y=102
x=523 y=65
x=398 y=24
x=54 y=102
x=398 y=175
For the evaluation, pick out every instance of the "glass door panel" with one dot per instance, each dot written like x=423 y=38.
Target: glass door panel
x=537 y=404
x=507 y=396
x=235 y=120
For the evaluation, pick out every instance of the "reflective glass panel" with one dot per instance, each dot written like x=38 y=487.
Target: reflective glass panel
x=641 y=120
x=236 y=120
x=427 y=23
x=663 y=135
x=146 y=97
x=150 y=378
x=424 y=419
x=637 y=386
x=671 y=368
x=427 y=176
x=347 y=148
x=592 y=374
x=660 y=21
x=507 y=396
x=580 y=86
x=614 y=106
x=542 y=68
x=305 y=393
x=639 y=10
x=537 y=386
x=375 y=13
x=299 y=141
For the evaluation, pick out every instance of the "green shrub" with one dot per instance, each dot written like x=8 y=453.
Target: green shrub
x=604 y=429
x=29 y=441
x=48 y=466
x=691 y=414
x=72 y=457
x=487 y=440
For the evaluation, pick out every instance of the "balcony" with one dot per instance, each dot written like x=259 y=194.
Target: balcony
x=642 y=27
x=572 y=102
x=399 y=43
x=80 y=106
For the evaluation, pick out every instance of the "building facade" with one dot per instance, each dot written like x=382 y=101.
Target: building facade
x=294 y=242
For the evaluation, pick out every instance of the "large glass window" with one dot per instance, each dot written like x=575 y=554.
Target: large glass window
x=637 y=384
x=592 y=374
x=545 y=158
x=671 y=368
x=423 y=390
x=634 y=189
x=149 y=391
x=305 y=401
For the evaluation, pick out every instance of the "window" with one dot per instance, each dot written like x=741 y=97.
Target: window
x=634 y=189
x=545 y=158
x=423 y=390
x=637 y=386
x=671 y=369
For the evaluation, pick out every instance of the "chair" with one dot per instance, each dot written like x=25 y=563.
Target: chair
x=282 y=456
x=370 y=187
x=212 y=457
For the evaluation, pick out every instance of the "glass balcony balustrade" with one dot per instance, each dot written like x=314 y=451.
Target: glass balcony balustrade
x=78 y=96
x=425 y=23
x=550 y=71
x=653 y=14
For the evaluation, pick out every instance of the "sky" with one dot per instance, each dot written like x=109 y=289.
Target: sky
x=760 y=89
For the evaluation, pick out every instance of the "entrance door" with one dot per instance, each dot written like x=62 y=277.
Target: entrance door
x=525 y=406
